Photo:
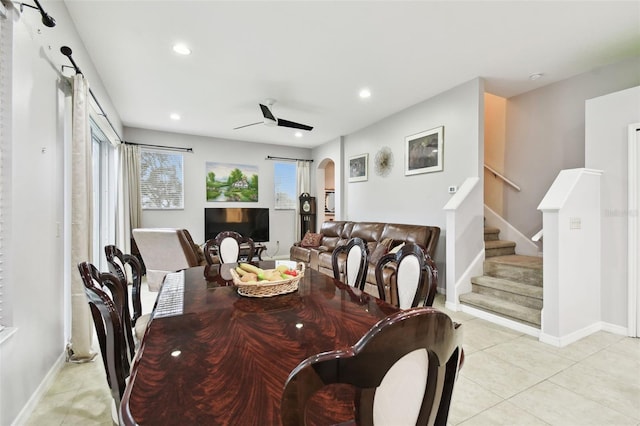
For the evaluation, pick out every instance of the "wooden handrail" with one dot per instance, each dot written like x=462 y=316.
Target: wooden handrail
x=502 y=177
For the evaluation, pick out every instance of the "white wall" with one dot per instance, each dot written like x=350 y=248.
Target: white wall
x=35 y=265
x=418 y=199
x=545 y=134
x=606 y=139
x=206 y=149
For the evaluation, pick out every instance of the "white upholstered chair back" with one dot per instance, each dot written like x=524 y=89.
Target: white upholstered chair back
x=351 y=268
x=408 y=277
x=228 y=250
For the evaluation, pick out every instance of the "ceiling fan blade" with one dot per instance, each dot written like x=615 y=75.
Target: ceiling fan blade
x=247 y=125
x=266 y=112
x=294 y=125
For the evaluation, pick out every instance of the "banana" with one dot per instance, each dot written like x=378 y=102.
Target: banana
x=241 y=272
x=251 y=268
x=282 y=268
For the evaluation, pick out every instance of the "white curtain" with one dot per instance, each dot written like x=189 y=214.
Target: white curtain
x=128 y=205
x=81 y=220
x=303 y=185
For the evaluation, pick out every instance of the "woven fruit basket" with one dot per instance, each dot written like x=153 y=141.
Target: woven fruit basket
x=268 y=288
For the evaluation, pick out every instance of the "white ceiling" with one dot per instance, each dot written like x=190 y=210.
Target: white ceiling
x=313 y=57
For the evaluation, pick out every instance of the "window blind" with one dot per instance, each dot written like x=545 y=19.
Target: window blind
x=161 y=180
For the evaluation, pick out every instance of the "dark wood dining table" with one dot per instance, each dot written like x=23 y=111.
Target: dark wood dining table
x=211 y=356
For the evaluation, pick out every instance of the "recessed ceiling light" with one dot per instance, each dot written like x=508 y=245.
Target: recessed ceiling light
x=182 y=49
x=535 y=76
x=365 y=93
x=298 y=134
x=175 y=116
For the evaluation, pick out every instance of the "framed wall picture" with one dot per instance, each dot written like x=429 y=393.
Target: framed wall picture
x=423 y=152
x=358 y=168
x=231 y=182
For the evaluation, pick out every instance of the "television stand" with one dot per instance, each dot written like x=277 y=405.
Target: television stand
x=257 y=254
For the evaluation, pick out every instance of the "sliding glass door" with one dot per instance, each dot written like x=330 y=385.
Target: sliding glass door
x=104 y=201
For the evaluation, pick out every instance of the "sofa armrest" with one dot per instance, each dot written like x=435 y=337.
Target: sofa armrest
x=314 y=255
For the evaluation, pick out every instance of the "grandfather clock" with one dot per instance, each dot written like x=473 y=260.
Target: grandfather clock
x=307 y=214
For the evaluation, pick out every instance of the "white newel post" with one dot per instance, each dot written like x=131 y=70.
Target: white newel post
x=572 y=262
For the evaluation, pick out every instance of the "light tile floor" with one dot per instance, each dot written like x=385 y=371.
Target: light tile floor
x=507 y=379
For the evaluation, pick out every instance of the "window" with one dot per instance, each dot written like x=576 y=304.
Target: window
x=161 y=180
x=104 y=219
x=285 y=185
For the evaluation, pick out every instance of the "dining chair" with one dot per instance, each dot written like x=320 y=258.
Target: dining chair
x=108 y=305
x=226 y=245
x=403 y=369
x=414 y=280
x=128 y=268
x=353 y=265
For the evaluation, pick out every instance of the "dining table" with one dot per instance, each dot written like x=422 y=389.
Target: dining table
x=213 y=356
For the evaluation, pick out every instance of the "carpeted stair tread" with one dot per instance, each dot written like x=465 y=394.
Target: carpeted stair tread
x=491 y=233
x=508 y=286
x=532 y=262
x=498 y=306
x=493 y=248
x=488 y=245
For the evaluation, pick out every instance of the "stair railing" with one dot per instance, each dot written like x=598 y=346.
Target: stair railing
x=500 y=176
x=538 y=236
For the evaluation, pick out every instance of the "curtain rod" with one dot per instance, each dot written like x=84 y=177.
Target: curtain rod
x=168 y=148
x=269 y=157
x=66 y=51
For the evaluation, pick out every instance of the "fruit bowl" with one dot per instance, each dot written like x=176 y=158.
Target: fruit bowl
x=268 y=288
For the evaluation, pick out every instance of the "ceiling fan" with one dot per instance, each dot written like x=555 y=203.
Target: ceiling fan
x=270 y=119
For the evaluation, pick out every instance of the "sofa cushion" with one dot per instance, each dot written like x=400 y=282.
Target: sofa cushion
x=368 y=231
x=381 y=249
x=311 y=240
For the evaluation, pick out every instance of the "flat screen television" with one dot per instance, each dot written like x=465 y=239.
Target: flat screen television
x=249 y=222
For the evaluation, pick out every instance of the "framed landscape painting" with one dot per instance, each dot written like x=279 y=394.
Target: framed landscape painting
x=232 y=182
x=423 y=152
x=358 y=168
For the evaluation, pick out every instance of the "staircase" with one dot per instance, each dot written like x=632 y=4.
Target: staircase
x=511 y=286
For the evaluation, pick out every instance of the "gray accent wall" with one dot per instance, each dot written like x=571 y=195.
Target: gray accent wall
x=545 y=133
x=418 y=199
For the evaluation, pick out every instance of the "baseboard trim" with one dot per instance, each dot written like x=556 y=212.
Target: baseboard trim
x=615 y=329
x=41 y=390
x=563 y=341
x=496 y=319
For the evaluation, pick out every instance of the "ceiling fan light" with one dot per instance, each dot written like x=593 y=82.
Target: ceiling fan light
x=298 y=134
x=175 y=116
x=181 y=49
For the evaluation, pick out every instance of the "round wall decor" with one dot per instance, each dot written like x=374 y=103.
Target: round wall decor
x=383 y=161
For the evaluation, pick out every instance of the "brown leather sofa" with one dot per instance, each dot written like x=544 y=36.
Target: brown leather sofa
x=335 y=233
